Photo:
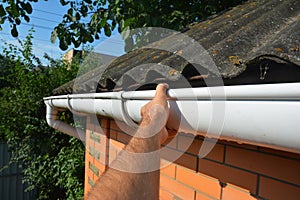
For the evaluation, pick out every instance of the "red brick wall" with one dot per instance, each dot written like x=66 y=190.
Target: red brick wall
x=230 y=171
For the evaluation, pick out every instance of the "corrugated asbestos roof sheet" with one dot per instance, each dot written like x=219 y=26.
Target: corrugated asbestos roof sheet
x=243 y=42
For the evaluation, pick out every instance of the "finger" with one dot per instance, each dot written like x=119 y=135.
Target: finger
x=159 y=115
x=172 y=133
x=163 y=136
x=161 y=90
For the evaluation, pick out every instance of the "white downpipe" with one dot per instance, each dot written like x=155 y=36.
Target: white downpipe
x=265 y=115
x=51 y=118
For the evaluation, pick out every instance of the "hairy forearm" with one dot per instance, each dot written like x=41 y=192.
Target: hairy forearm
x=120 y=181
x=135 y=172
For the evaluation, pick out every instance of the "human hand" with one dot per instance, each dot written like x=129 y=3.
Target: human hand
x=135 y=171
x=156 y=113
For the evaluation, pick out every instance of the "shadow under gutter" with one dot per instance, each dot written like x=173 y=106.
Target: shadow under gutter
x=266 y=115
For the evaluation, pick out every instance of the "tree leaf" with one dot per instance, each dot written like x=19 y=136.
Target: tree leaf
x=88 y=1
x=107 y=31
x=14 y=31
x=76 y=43
x=28 y=8
x=27 y=19
x=18 y=21
x=70 y=11
x=49 y=159
x=63 y=45
x=103 y=22
x=64 y=3
x=14 y=10
x=2 y=11
x=77 y=15
x=53 y=35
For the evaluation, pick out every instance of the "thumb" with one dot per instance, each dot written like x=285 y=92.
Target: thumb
x=161 y=91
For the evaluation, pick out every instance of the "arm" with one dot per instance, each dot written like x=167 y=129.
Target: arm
x=117 y=184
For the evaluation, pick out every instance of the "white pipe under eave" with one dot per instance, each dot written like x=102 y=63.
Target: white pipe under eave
x=51 y=118
x=264 y=115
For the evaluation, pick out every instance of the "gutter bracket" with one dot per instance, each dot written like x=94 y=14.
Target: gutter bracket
x=125 y=116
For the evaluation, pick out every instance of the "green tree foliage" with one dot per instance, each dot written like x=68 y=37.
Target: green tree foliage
x=106 y=15
x=4 y=72
x=53 y=162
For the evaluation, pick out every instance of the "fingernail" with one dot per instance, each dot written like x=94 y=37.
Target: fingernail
x=164 y=84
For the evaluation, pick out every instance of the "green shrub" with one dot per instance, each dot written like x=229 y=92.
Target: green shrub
x=52 y=162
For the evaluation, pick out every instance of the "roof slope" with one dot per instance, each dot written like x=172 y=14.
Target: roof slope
x=246 y=35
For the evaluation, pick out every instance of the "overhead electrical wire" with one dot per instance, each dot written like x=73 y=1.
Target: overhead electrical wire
x=44 y=11
x=111 y=40
x=44 y=19
x=39 y=39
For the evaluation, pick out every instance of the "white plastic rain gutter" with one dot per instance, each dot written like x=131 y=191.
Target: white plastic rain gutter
x=265 y=115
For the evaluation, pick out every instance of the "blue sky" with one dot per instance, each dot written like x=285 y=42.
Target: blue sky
x=46 y=15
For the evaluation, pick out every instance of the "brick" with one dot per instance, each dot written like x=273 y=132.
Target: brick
x=280 y=153
x=185 y=144
x=164 y=195
x=94 y=169
x=87 y=189
x=116 y=145
x=103 y=158
x=93 y=119
x=104 y=123
x=90 y=127
x=199 y=181
x=91 y=182
x=102 y=148
x=179 y=158
x=231 y=192
x=87 y=132
x=274 y=166
x=113 y=134
x=90 y=174
x=169 y=169
x=118 y=125
x=88 y=119
x=103 y=138
x=100 y=166
x=94 y=136
x=200 y=196
x=89 y=143
x=123 y=138
x=171 y=142
x=187 y=161
x=94 y=153
x=193 y=146
x=112 y=155
x=88 y=158
x=228 y=174
x=242 y=146
x=114 y=125
x=275 y=190
x=176 y=188
x=100 y=130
